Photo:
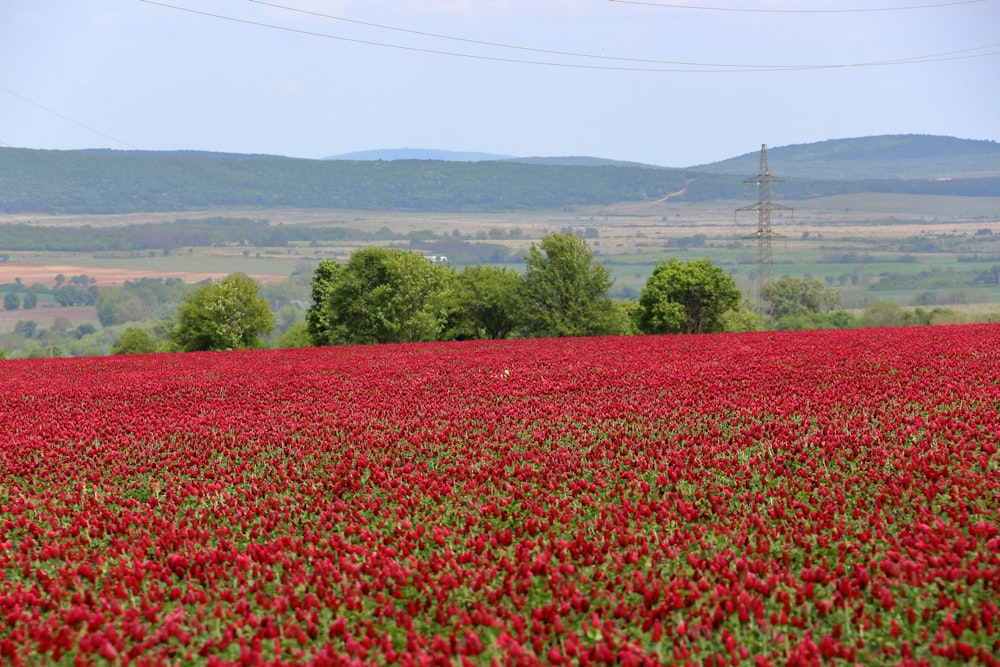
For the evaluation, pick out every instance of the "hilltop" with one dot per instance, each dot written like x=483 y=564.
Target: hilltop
x=896 y=156
x=109 y=182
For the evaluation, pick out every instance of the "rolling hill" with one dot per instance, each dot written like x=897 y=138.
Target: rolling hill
x=107 y=182
x=897 y=156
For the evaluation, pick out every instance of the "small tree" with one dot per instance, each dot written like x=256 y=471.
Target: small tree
x=565 y=289
x=11 y=302
x=686 y=297
x=882 y=314
x=117 y=305
x=134 y=341
x=742 y=318
x=488 y=305
x=228 y=315
x=297 y=335
x=799 y=296
x=382 y=295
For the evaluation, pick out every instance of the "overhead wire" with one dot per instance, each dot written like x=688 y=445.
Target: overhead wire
x=618 y=58
x=858 y=10
x=67 y=118
x=678 y=66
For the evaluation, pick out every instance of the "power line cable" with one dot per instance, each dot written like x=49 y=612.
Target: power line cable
x=586 y=55
x=688 y=67
x=471 y=41
x=67 y=118
x=937 y=5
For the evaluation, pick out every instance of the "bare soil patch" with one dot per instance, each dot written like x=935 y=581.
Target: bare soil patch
x=45 y=274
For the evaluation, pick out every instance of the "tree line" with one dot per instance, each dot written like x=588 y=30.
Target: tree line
x=392 y=295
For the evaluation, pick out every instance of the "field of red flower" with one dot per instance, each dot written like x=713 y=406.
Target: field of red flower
x=773 y=498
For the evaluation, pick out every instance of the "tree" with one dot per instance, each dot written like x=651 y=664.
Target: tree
x=686 y=297
x=227 y=315
x=564 y=290
x=134 y=341
x=882 y=314
x=382 y=295
x=297 y=335
x=60 y=326
x=742 y=318
x=326 y=277
x=116 y=305
x=30 y=301
x=26 y=328
x=488 y=303
x=799 y=296
x=11 y=302
x=84 y=329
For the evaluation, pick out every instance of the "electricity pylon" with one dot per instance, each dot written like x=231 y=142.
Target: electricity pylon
x=764 y=232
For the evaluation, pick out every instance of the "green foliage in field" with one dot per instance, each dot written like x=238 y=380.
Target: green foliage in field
x=565 y=289
x=135 y=341
x=140 y=299
x=489 y=304
x=297 y=335
x=228 y=315
x=686 y=297
x=201 y=232
x=795 y=297
x=382 y=295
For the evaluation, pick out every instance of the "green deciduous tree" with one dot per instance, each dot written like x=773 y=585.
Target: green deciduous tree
x=227 y=315
x=382 y=295
x=564 y=290
x=686 y=297
x=134 y=341
x=488 y=302
x=882 y=314
x=297 y=335
x=11 y=302
x=794 y=297
x=742 y=318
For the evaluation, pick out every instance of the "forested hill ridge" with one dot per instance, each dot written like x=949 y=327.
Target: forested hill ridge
x=107 y=182
x=905 y=156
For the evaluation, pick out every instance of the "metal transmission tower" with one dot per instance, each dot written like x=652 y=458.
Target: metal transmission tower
x=764 y=233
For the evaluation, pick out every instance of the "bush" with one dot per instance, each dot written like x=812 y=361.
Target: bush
x=134 y=341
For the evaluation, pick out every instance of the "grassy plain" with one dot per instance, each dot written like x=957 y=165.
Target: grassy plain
x=849 y=241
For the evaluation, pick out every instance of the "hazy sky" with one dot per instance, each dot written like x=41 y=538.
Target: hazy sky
x=668 y=83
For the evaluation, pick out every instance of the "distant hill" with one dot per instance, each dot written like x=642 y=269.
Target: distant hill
x=458 y=156
x=61 y=182
x=904 y=156
x=106 y=182
x=582 y=161
x=417 y=154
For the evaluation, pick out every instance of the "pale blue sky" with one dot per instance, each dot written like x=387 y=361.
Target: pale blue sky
x=667 y=83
